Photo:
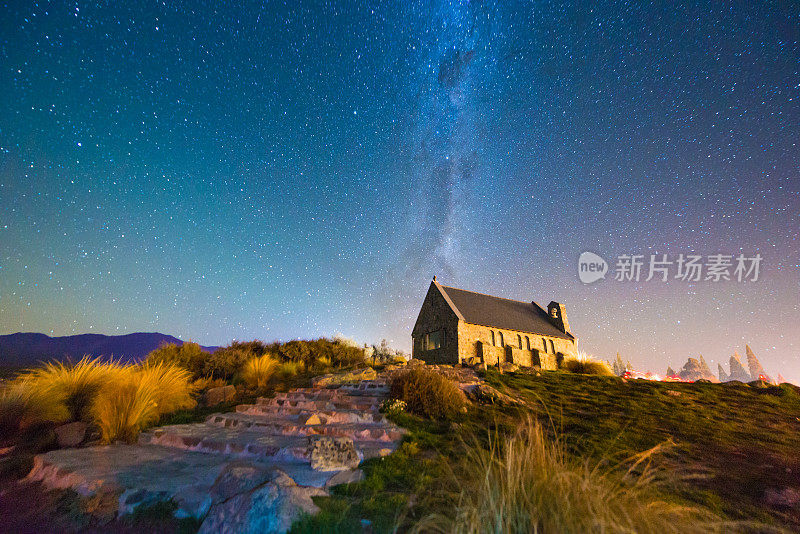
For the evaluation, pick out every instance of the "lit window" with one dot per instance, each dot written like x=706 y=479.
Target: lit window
x=432 y=340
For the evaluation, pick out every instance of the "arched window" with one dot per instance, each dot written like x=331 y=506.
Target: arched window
x=493 y=342
x=502 y=341
x=527 y=342
x=552 y=348
x=544 y=344
x=519 y=341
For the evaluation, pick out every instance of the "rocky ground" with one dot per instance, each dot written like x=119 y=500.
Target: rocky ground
x=253 y=470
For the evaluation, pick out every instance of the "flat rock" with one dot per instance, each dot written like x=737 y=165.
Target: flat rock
x=266 y=507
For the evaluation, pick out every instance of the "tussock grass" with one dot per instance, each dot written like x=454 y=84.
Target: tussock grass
x=428 y=393
x=258 y=371
x=529 y=483
x=585 y=364
x=74 y=385
x=22 y=406
x=289 y=369
x=119 y=399
x=138 y=398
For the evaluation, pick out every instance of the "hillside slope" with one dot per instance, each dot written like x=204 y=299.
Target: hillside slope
x=28 y=348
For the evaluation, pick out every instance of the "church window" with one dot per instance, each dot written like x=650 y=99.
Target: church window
x=433 y=340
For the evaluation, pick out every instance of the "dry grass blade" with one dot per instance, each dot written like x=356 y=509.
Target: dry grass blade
x=529 y=483
x=258 y=371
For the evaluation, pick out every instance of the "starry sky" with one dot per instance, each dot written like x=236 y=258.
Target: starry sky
x=299 y=169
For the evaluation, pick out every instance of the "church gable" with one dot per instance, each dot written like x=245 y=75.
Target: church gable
x=436 y=329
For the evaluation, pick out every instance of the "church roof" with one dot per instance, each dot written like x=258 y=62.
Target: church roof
x=497 y=312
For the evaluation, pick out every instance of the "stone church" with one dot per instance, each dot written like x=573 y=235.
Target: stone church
x=456 y=326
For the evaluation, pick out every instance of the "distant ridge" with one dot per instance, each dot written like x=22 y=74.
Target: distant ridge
x=29 y=348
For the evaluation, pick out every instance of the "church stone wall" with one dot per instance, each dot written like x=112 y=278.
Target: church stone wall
x=475 y=340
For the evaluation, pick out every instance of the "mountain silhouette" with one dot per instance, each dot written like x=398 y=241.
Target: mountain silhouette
x=29 y=348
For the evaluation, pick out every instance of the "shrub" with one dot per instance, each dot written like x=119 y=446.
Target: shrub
x=587 y=366
x=190 y=356
x=322 y=364
x=74 y=385
x=205 y=383
x=529 y=483
x=393 y=406
x=258 y=371
x=427 y=393
x=138 y=397
x=288 y=369
x=228 y=362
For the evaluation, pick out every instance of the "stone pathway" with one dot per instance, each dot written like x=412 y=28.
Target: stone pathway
x=265 y=460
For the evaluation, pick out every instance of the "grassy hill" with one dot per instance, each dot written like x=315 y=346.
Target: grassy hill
x=729 y=448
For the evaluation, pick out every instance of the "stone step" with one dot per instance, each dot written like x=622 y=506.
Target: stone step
x=337 y=396
x=366 y=387
x=372 y=431
x=200 y=437
x=365 y=404
x=249 y=442
x=305 y=415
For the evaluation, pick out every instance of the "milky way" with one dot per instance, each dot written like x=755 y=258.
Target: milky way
x=239 y=171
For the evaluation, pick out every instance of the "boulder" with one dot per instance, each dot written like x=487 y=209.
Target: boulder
x=254 y=499
x=760 y=384
x=508 y=367
x=486 y=394
x=313 y=419
x=332 y=454
x=219 y=395
x=345 y=477
x=71 y=434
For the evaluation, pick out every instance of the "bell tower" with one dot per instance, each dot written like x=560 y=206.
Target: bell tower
x=557 y=313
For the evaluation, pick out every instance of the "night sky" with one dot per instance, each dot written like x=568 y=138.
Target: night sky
x=285 y=171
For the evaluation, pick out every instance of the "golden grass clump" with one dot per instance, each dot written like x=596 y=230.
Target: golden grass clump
x=289 y=369
x=74 y=385
x=531 y=484
x=585 y=364
x=427 y=393
x=22 y=406
x=258 y=371
x=138 y=398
